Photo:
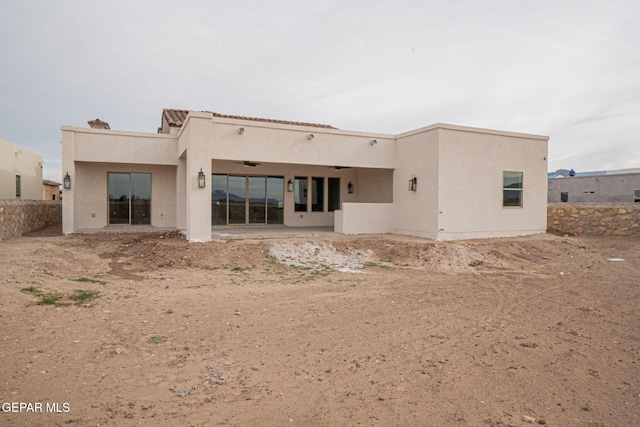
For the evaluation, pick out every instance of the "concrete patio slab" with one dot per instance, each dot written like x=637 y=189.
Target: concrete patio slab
x=266 y=232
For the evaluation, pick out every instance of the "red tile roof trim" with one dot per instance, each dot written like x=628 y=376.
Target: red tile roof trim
x=177 y=118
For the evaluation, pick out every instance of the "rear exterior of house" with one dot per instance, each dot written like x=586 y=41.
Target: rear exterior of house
x=205 y=170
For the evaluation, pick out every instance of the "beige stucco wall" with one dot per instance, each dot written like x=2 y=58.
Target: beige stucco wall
x=106 y=146
x=91 y=187
x=374 y=185
x=50 y=191
x=362 y=218
x=196 y=141
x=415 y=212
x=470 y=183
x=16 y=160
x=262 y=142
x=89 y=154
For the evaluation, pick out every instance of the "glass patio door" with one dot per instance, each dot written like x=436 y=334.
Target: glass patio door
x=237 y=199
x=247 y=199
x=257 y=200
x=218 y=199
x=275 y=200
x=129 y=198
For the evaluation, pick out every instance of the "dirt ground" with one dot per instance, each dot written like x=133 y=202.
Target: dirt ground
x=150 y=330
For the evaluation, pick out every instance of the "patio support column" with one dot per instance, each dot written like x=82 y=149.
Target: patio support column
x=68 y=166
x=196 y=139
x=198 y=200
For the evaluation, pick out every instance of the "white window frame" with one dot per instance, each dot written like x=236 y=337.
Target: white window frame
x=520 y=190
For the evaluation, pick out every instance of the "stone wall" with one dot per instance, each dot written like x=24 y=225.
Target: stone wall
x=20 y=216
x=584 y=219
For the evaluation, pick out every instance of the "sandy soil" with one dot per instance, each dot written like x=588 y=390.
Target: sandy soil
x=152 y=330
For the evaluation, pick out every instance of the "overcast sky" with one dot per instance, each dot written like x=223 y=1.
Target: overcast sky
x=566 y=69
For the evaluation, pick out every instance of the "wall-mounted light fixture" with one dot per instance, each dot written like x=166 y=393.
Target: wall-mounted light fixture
x=373 y=142
x=413 y=183
x=66 y=182
x=289 y=186
x=310 y=136
x=350 y=188
x=241 y=131
x=201 y=179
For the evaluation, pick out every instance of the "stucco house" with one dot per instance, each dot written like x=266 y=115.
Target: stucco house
x=51 y=190
x=20 y=173
x=205 y=170
x=596 y=187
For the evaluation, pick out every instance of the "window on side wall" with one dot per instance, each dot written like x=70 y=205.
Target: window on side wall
x=564 y=196
x=636 y=196
x=18 y=187
x=512 y=189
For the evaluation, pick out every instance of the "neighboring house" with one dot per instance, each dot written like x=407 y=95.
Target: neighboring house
x=51 y=190
x=20 y=172
x=204 y=170
x=593 y=187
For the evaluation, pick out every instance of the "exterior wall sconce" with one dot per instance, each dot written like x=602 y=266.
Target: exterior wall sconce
x=289 y=186
x=373 y=142
x=241 y=131
x=310 y=136
x=66 y=182
x=201 y=179
x=350 y=188
x=413 y=183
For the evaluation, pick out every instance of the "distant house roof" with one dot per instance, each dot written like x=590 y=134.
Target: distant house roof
x=564 y=173
x=177 y=118
x=51 y=183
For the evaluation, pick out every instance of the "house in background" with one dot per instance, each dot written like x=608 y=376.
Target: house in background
x=20 y=172
x=51 y=190
x=595 y=187
x=204 y=170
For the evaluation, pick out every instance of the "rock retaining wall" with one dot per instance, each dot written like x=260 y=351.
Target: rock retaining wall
x=20 y=216
x=584 y=219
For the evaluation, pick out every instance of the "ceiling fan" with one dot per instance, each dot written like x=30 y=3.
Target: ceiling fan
x=248 y=163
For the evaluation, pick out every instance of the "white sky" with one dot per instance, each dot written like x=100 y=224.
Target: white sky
x=568 y=69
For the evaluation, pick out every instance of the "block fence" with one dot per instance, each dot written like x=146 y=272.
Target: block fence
x=20 y=216
x=584 y=219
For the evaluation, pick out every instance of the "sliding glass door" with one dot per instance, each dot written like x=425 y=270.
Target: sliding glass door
x=275 y=200
x=129 y=198
x=247 y=199
x=218 y=199
x=237 y=199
